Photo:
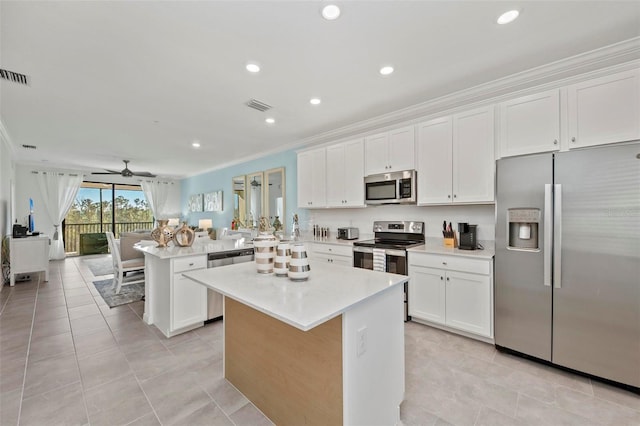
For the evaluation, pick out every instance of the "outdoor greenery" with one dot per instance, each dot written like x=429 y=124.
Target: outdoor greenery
x=85 y=210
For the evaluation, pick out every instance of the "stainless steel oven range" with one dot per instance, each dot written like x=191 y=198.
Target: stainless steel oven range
x=387 y=252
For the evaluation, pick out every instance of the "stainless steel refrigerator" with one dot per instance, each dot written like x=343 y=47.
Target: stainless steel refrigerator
x=567 y=263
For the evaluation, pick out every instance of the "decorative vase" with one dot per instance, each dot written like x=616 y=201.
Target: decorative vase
x=184 y=236
x=264 y=246
x=299 y=268
x=283 y=257
x=163 y=233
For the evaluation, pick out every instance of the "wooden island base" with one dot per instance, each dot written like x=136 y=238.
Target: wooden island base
x=294 y=377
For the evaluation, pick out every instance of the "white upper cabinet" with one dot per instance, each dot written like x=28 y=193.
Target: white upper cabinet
x=530 y=124
x=312 y=185
x=456 y=158
x=345 y=174
x=435 y=180
x=390 y=151
x=473 y=156
x=604 y=110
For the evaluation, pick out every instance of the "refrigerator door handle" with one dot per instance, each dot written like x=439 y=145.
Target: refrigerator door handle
x=548 y=205
x=557 y=236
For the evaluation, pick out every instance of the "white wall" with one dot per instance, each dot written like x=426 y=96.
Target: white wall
x=432 y=216
x=6 y=179
x=27 y=187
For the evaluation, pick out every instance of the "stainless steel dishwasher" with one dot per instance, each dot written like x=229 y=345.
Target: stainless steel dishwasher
x=215 y=260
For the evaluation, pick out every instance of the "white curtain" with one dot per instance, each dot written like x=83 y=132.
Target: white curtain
x=58 y=191
x=156 y=194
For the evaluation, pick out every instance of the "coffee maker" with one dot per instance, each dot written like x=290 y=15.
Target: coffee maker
x=468 y=240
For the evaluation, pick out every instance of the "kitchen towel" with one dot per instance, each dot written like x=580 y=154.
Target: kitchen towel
x=379 y=260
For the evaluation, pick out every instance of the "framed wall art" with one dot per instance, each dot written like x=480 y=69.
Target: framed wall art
x=195 y=203
x=213 y=201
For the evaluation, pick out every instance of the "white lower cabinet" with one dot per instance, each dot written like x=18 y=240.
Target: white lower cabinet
x=336 y=254
x=452 y=291
x=177 y=304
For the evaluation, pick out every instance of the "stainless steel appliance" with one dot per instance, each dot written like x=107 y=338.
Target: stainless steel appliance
x=391 y=188
x=223 y=258
x=568 y=259
x=348 y=233
x=388 y=250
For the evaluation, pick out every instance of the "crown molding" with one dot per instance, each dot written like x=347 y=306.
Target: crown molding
x=616 y=57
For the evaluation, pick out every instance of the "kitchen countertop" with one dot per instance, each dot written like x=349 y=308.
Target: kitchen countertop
x=205 y=247
x=330 y=290
x=435 y=245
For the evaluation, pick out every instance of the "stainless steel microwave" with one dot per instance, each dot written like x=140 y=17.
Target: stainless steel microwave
x=391 y=188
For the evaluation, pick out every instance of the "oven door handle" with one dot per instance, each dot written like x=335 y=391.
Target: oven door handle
x=397 y=253
x=362 y=249
x=388 y=252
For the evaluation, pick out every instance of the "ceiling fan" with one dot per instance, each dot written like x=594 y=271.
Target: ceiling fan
x=124 y=172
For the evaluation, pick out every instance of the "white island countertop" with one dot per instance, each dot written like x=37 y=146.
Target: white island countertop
x=330 y=290
x=205 y=247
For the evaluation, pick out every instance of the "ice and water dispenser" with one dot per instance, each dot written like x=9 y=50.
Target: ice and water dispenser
x=523 y=229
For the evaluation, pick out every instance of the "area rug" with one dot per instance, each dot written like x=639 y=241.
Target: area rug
x=128 y=293
x=102 y=265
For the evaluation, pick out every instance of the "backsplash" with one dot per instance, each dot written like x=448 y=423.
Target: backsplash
x=432 y=216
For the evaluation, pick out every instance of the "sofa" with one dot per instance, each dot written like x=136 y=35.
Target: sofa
x=127 y=240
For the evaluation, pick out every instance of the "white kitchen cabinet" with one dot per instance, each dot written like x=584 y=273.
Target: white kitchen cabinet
x=473 y=156
x=452 y=291
x=604 y=110
x=312 y=185
x=468 y=302
x=427 y=294
x=391 y=151
x=336 y=254
x=178 y=304
x=434 y=168
x=345 y=174
x=456 y=158
x=530 y=124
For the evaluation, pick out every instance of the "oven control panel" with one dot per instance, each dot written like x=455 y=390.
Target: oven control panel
x=399 y=226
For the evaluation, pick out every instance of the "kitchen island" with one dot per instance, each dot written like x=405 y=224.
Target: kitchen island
x=325 y=351
x=173 y=303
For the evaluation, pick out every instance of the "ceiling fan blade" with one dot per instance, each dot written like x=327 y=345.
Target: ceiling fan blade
x=144 y=174
x=106 y=173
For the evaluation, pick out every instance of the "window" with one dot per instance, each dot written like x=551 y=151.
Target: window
x=102 y=207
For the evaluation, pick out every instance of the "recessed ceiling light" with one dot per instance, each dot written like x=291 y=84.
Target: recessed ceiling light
x=269 y=120
x=330 y=12
x=195 y=144
x=386 y=70
x=253 y=67
x=315 y=101
x=507 y=17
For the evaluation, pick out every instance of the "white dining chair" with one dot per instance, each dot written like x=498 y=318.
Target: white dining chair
x=121 y=267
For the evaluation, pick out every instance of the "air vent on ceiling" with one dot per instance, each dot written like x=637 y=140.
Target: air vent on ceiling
x=14 y=76
x=260 y=106
x=29 y=146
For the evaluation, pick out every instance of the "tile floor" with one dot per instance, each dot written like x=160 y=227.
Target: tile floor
x=66 y=358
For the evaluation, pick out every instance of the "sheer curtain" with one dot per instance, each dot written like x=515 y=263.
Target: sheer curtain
x=156 y=194
x=58 y=191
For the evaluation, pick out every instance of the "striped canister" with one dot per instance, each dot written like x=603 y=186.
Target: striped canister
x=283 y=257
x=264 y=247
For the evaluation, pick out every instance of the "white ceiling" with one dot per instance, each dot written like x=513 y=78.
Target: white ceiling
x=142 y=80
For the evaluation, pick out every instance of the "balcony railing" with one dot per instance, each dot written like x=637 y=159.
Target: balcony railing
x=72 y=232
